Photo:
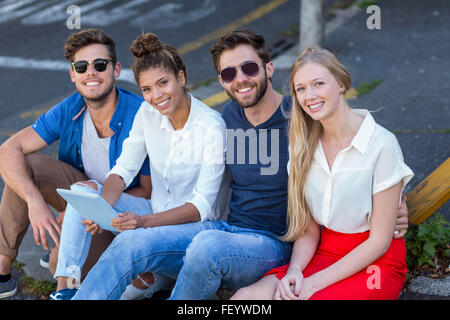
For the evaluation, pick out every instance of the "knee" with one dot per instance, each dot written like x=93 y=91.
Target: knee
x=35 y=161
x=32 y=157
x=85 y=184
x=125 y=244
x=206 y=247
x=122 y=240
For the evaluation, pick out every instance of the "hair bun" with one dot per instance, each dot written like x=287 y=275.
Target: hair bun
x=144 y=44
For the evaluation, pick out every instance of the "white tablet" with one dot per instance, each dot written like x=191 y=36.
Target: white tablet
x=91 y=206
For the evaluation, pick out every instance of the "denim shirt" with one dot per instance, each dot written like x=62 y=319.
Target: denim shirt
x=65 y=122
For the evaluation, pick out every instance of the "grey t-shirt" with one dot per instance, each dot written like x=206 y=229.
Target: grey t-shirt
x=94 y=151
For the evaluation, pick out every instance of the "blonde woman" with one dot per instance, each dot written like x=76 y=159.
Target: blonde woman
x=346 y=173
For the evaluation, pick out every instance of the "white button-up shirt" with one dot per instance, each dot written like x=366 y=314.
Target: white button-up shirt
x=186 y=165
x=341 y=199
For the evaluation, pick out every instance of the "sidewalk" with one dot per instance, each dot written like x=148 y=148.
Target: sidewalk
x=410 y=55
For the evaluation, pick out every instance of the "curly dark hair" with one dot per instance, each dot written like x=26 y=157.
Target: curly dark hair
x=150 y=52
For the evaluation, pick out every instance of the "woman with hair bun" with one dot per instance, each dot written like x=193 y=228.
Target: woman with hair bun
x=346 y=173
x=185 y=141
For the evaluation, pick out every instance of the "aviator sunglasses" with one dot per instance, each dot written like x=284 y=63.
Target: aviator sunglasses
x=249 y=68
x=99 y=65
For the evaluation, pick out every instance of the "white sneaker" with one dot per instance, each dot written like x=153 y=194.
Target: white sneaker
x=133 y=293
x=45 y=259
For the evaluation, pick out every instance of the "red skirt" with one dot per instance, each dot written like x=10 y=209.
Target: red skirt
x=382 y=280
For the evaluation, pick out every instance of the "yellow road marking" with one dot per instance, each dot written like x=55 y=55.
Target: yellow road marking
x=252 y=16
x=216 y=99
x=34 y=113
x=6 y=133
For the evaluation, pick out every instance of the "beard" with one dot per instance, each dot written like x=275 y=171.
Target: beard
x=101 y=96
x=261 y=89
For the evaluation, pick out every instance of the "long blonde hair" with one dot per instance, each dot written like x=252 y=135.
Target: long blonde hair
x=304 y=135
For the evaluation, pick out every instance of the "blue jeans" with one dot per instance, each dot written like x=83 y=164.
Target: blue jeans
x=75 y=241
x=202 y=255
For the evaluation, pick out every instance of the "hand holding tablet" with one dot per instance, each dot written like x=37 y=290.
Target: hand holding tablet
x=91 y=206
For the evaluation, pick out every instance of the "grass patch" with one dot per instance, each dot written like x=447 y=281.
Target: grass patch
x=203 y=83
x=441 y=131
x=366 y=87
x=292 y=32
x=19 y=266
x=343 y=4
x=428 y=247
x=279 y=91
x=406 y=131
x=42 y=288
x=364 y=4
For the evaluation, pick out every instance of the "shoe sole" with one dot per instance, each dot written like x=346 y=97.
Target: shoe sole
x=8 y=294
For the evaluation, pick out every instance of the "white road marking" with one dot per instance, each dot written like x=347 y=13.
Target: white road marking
x=169 y=15
x=58 y=12
x=11 y=5
x=16 y=14
x=51 y=65
x=108 y=17
x=173 y=15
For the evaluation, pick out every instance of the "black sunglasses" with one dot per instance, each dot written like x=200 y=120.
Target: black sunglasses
x=249 y=68
x=99 y=65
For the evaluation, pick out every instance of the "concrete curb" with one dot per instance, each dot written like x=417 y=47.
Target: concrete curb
x=429 y=286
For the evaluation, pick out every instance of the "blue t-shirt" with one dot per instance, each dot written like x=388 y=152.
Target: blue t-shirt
x=257 y=158
x=65 y=122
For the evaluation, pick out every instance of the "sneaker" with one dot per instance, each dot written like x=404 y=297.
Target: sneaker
x=133 y=293
x=45 y=259
x=8 y=288
x=63 y=294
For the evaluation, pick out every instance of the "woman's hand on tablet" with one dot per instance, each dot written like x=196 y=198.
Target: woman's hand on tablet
x=127 y=221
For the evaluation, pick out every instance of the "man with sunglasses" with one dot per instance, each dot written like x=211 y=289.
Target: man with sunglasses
x=90 y=125
x=258 y=203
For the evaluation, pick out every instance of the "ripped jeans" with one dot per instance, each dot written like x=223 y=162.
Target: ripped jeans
x=75 y=241
x=203 y=255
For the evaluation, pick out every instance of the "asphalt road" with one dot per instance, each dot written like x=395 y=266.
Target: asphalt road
x=32 y=35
